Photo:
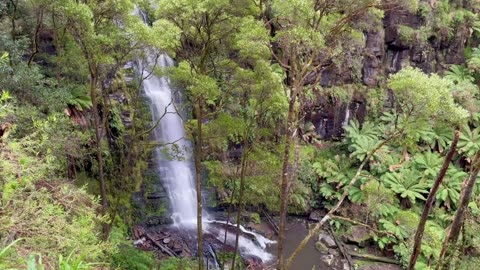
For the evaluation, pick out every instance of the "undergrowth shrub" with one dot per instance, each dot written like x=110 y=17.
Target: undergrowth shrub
x=54 y=220
x=131 y=258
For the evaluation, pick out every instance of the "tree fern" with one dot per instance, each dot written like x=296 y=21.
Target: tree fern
x=449 y=191
x=469 y=142
x=474 y=60
x=364 y=146
x=407 y=184
x=429 y=163
x=80 y=99
x=354 y=131
x=458 y=74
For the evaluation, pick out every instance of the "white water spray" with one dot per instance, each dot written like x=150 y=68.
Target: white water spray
x=347 y=115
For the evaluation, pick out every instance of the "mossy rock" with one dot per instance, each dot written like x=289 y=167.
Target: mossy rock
x=321 y=247
x=358 y=235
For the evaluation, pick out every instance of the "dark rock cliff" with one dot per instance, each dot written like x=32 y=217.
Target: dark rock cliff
x=432 y=39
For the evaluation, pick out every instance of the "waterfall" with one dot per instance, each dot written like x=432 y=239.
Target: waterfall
x=394 y=67
x=173 y=159
x=347 y=115
x=175 y=166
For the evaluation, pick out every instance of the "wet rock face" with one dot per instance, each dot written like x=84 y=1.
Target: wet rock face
x=330 y=115
x=373 y=57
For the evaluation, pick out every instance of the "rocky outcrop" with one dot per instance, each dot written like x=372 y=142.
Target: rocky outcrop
x=374 y=55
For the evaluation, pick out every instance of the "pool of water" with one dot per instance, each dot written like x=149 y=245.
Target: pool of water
x=309 y=258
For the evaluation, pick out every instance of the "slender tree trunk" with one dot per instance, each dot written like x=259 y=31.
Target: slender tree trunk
x=240 y=202
x=38 y=28
x=284 y=188
x=198 y=174
x=454 y=232
x=229 y=212
x=56 y=43
x=98 y=142
x=428 y=205
x=13 y=18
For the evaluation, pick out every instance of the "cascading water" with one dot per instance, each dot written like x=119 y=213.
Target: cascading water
x=347 y=115
x=174 y=164
x=172 y=159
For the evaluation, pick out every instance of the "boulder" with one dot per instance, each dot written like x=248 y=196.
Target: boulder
x=321 y=247
x=358 y=235
x=327 y=239
x=328 y=260
x=315 y=216
x=333 y=252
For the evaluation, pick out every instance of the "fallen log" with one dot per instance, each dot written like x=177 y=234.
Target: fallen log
x=341 y=248
x=354 y=222
x=162 y=247
x=374 y=258
x=270 y=221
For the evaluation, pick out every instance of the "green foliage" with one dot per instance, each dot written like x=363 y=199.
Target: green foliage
x=469 y=142
x=459 y=74
x=80 y=99
x=449 y=192
x=407 y=184
x=72 y=264
x=429 y=163
x=128 y=257
x=38 y=212
x=473 y=61
x=173 y=263
x=355 y=132
x=255 y=217
x=381 y=201
x=406 y=34
x=423 y=96
x=336 y=170
x=7 y=259
x=438 y=137
x=225 y=260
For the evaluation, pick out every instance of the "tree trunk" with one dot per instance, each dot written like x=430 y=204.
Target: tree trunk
x=38 y=28
x=428 y=205
x=198 y=174
x=284 y=189
x=452 y=236
x=229 y=212
x=240 y=202
x=13 y=18
x=98 y=142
